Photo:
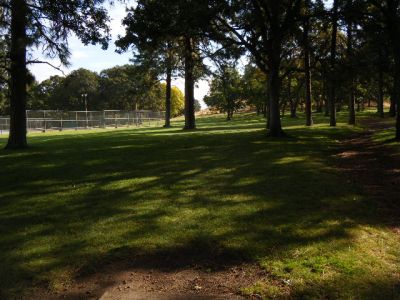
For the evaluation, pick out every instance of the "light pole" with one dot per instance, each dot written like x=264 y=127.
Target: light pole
x=86 y=110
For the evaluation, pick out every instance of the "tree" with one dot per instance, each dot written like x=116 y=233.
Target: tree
x=177 y=100
x=264 y=29
x=78 y=87
x=350 y=58
x=156 y=25
x=225 y=91
x=43 y=95
x=388 y=12
x=307 y=61
x=332 y=64
x=44 y=23
x=254 y=89
x=129 y=87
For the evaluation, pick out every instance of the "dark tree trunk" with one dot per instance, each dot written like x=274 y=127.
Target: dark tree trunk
x=326 y=100
x=307 y=70
x=392 y=109
x=332 y=85
x=229 y=115
x=274 y=87
x=396 y=86
x=321 y=104
x=380 y=87
x=397 y=94
x=265 y=109
x=293 y=107
x=190 y=121
x=352 y=100
x=18 y=82
x=393 y=24
x=289 y=94
x=168 y=93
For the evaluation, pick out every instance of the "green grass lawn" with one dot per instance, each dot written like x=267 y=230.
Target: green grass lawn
x=76 y=200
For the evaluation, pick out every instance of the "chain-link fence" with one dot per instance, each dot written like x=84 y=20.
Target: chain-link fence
x=44 y=120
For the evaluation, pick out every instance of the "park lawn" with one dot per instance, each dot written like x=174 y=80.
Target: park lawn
x=78 y=200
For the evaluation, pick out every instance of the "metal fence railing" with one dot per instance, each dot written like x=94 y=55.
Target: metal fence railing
x=44 y=120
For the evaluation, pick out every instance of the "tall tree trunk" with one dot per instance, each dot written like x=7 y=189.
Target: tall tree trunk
x=274 y=88
x=394 y=32
x=332 y=85
x=380 y=87
x=396 y=85
x=397 y=93
x=289 y=94
x=18 y=82
x=392 y=109
x=168 y=90
x=190 y=120
x=352 y=99
x=293 y=107
x=326 y=96
x=307 y=68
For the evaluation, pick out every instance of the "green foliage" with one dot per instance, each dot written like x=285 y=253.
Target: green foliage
x=122 y=87
x=177 y=100
x=46 y=95
x=70 y=94
x=225 y=91
x=254 y=86
x=128 y=87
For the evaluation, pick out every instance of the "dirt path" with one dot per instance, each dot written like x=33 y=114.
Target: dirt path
x=375 y=168
x=159 y=281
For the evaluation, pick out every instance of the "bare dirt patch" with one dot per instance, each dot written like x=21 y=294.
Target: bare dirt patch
x=189 y=283
x=167 y=275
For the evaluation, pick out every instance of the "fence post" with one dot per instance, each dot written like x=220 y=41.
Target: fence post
x=76 y=120
x=104 y=119
x=44 y=118
x=61 y=127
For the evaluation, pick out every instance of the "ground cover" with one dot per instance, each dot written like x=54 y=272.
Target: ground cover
x=79 y=203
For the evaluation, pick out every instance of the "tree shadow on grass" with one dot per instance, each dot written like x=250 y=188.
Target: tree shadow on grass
x=76 y=205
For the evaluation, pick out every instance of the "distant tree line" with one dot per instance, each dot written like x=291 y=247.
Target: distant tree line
x=125 y=87
x=301 y=52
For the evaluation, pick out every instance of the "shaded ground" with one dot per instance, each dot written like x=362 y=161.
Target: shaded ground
x=190 y=282
x=218 y=212
x=191 y=273
x=374 y=167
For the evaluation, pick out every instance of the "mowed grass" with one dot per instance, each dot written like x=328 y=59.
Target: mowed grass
x=78 y=200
